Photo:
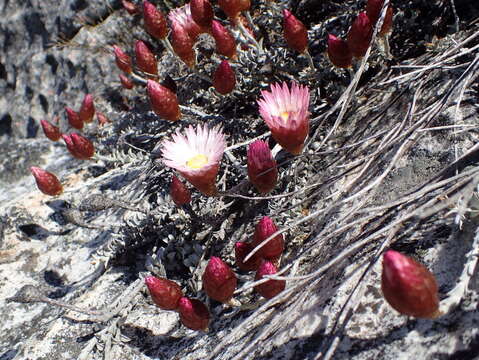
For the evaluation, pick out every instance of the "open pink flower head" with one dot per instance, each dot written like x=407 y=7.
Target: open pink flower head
x=285 y=111
x=196 y=156
x=182 y=17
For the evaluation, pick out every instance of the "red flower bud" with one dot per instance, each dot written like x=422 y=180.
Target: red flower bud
x=274 y=247
x=74 y=119
x=154 y=21
x=129 y=7
x=295 y=32
x=242 y=249
x=182 y=44
x=359 y=35
x=145 y=59
x=163 y=101
x=102 y=119
x=270 y=288
x=262 y=171
x=373 y=10
x=165 y=293
x=193 y=314
x=123 y=61
x=47 y=182
x=231 y=8
x=87 y=109
x=79 y=146
x=409 y=287
x=179 y=192
x=202 y=12
x=338 y=52
x=224 y=79
x=245 y=5
x=219 y=281
x=51 y=131
x=126 y=82
x=225 y=43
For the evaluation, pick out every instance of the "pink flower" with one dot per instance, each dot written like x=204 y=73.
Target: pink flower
x=47 y=182
x=219 y=281
x=165 y=293
x=182 y=17
x=286 y=113
x=409 y=287
x=196 y=156
x=262 y=171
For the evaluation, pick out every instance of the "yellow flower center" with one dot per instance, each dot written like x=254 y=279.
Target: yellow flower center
x=197 y=161
x=284 y=115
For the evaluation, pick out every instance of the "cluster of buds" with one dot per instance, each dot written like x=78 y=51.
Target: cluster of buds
x=341 y=52
x=409 y=287
x=167 y=295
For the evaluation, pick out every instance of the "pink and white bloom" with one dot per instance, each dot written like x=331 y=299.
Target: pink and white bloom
x=285 y=111
x=196 y=156
x=182 y=17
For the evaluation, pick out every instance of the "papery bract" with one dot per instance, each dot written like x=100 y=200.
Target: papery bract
x=219 y=281
x=165 y=293
x=196 y=156
x=202 y=12
x=262 y=171
x=51 y=131
x=270 y=288
x=145 y=59
x=182 y=44
x=163 y=101
x=123 y=60
x=79 y=146
x=338 y=52
x=242 y=249
x=179 y=192
x=224 y=79
x=359 y=35
x=275 y=246
x=285 y=111
x=225 y=42
x=47 y=182
x=193 y=314
x=154 y=21
x=87 y=109
x=294 y=32
x=74 y=119
x=408 y=286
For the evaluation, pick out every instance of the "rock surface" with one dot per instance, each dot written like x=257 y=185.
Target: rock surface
x=398 y=170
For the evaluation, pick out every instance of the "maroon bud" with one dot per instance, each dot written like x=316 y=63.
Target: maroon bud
x=165 y=293
x=163 y=101
x=145 y=59
x=373 y=10
x=244 y=5
x=338 y=52
x=295 y=32
x=102 y=119
x=225 y=43
x=231 y=8
x=202 y=12
x=224 y=79
x=87 y=109
x=129 y=7
x=182 y=44
x=270 y=288
x=123 y=61
x=274 y=247
x=126 y=82
x=193 y=314
x=79 y=146
x=179 y=192
x=219 y=281
x=51 y=131
x=262 y=171
x=242 y=249
x=154 y=21
x=47 y=182
x=73 y=118
x=359 y=35
x=408 y=286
